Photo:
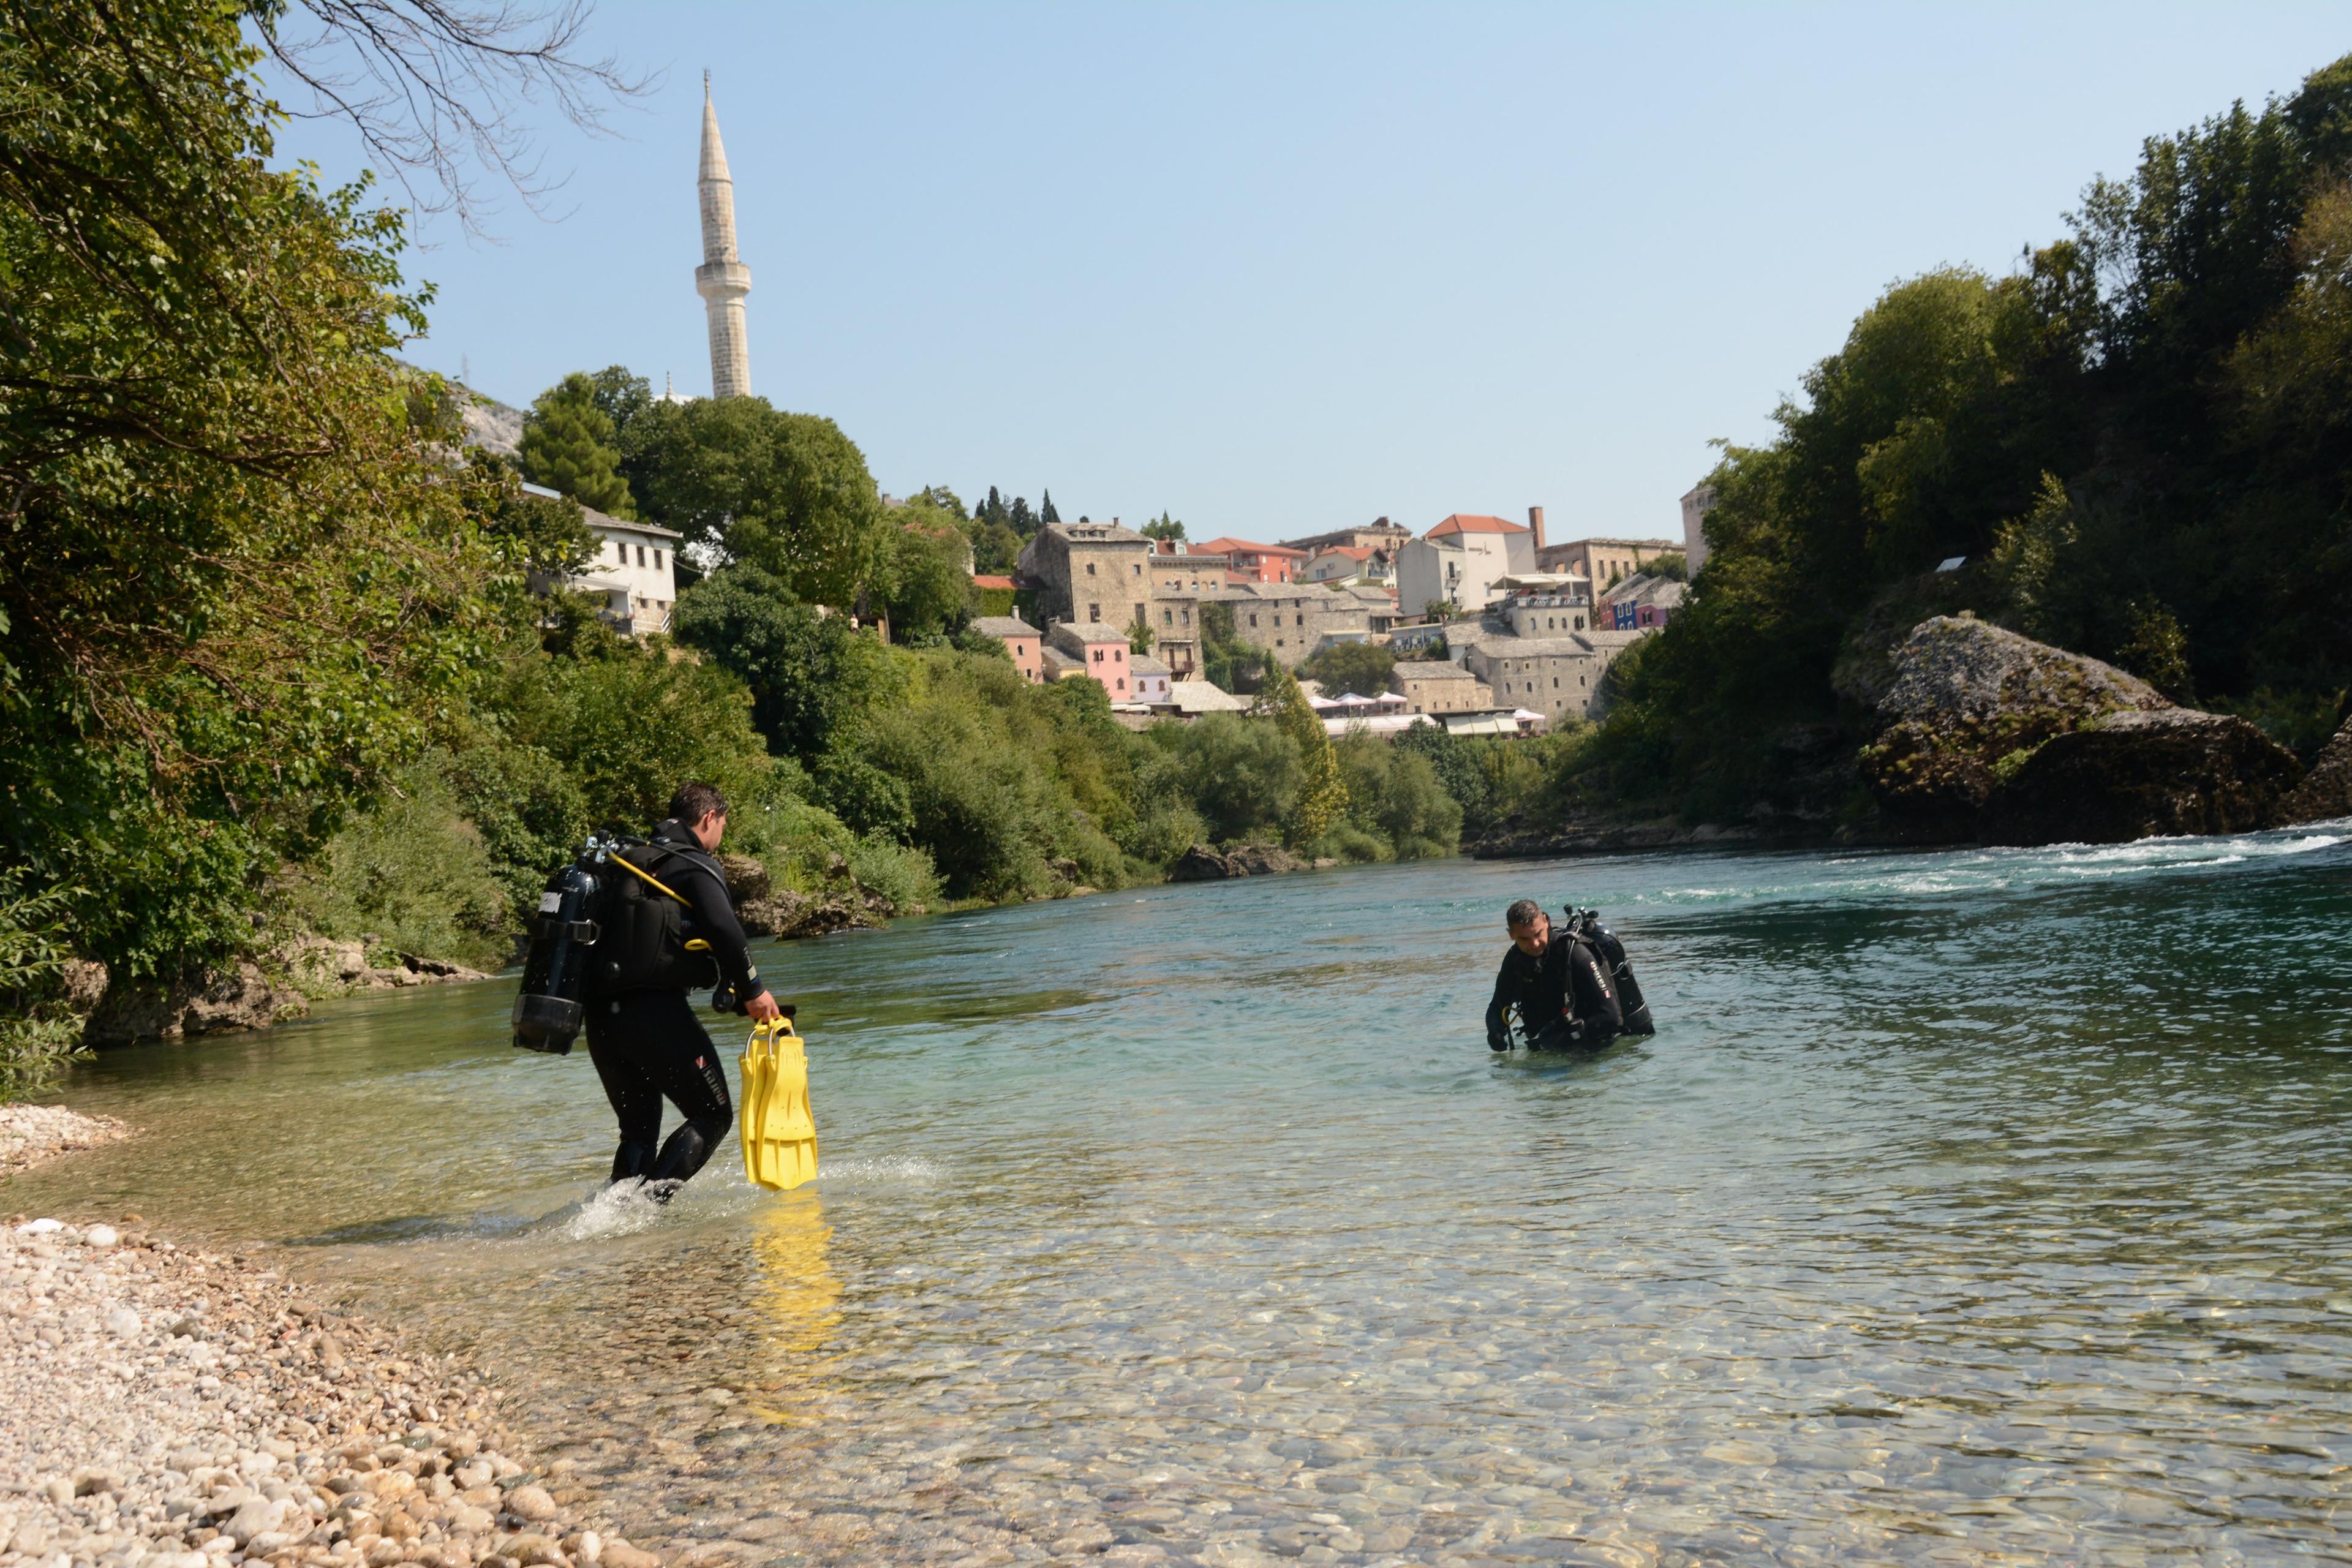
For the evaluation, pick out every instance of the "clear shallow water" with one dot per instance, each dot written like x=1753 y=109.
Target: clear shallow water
x=1971 y=1206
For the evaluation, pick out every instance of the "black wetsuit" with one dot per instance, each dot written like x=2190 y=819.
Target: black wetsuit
x=649 y=1043
x=1565 y=998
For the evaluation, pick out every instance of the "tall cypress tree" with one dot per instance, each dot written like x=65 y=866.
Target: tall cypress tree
x=1046 y=512
x=569 y=444
x=1323 y=792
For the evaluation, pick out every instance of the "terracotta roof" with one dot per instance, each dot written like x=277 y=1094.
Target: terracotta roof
x=1352 y=551
x=981 y=580
x=1230 y=546
x=1471 y=523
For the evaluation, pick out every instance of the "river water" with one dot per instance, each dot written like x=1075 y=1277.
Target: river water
x=1977 y=1206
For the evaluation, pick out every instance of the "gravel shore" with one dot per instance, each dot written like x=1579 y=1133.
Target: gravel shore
x=163 y=1409
x=32 y=1133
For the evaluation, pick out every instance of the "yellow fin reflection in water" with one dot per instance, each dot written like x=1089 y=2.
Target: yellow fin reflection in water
x=778 y=1134
x=799 y=1302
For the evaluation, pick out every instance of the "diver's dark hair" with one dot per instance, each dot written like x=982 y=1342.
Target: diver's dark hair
x=693 y=802
x=1522 y=914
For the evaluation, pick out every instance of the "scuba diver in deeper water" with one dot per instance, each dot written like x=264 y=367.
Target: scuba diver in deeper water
x=643 y=1034
x=1574 y=987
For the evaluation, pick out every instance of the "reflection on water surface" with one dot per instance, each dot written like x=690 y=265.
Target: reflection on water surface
x=1969 y=1206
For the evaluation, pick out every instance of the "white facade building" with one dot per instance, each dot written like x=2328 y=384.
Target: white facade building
x=634 y=568
x=1463 y=560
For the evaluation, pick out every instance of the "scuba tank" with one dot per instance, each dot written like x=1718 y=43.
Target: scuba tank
x=1585 y=926
x=555 y=967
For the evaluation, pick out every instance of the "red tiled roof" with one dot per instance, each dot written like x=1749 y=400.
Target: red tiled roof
x=1227 y=546
x=1471 y=523
x=981 y=581
x=1352 y=551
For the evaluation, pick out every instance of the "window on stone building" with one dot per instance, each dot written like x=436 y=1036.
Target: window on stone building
x=640 y=555
x=1167 y=617
x=1090 y=568
x=1139 y=569
x=1252 y=620
x=1094 y=612
x=657 y=565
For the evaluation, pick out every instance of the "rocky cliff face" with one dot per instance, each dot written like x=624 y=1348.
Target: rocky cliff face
x=1990 y=735
x=2327 y=790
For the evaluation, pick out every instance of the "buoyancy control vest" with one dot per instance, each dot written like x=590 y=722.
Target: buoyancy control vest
x=1585 y=924
x=646 y=930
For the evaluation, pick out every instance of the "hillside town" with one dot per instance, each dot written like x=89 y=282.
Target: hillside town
x=1496 y=630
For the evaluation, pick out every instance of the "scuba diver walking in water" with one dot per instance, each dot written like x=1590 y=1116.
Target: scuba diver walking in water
x=643 y=1034
x=1574 y=987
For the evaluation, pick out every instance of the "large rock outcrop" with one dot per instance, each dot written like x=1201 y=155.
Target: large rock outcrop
x=246 y=995
x=766 y=909
x=241 y=997
x=1203 y=864
x=1990 y=735
x=1969 y=702
x=2326 y=791
x=2143 y=776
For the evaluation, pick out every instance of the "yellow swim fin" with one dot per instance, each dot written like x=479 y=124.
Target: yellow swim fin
x=778 y=1135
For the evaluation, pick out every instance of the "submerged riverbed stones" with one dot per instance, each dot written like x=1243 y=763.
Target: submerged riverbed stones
x=170 y=1409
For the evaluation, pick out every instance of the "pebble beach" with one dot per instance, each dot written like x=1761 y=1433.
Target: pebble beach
x=172 y=1408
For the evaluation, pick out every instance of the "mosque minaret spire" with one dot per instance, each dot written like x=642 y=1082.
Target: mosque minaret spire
x=722 y=279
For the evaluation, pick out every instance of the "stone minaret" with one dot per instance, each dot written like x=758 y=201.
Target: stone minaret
x=722 y=280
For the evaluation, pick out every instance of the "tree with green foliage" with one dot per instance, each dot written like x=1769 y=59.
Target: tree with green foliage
x=255 y=581
x=1361 y=668
x=1162 y=527
x=1322 y=786
x=927 y=590
x=569 y=445
x=1046 y=512
x=547 y=536
x=788 y=493
x=2139 y=436
x=811 y=678
x=1241 y=776
x=1398 y=808
x=620 y=395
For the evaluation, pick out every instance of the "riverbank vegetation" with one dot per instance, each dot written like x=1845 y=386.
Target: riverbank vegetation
x=2139 y=442
x=275 y=665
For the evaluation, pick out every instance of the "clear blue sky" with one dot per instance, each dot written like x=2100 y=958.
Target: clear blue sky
x=1281 y=268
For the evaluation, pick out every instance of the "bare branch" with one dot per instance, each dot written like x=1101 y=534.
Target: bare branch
x=435 y=88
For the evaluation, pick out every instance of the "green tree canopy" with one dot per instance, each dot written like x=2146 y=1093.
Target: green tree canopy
x=1162 y=527
x=1361 y=668
x=788 y=493
x=813 y=679
x=250 y=582
x=569 y=445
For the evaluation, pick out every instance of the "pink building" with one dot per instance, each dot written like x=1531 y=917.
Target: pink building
x=1256 y=563
x=1100 y=654
x=1024 y=642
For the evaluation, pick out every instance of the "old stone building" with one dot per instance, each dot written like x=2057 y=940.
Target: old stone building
x=1557 y=676
x=1290 y=621
x=1378 y=534
x=1603 y=562
x=1439 y=686
x=1089 y=573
